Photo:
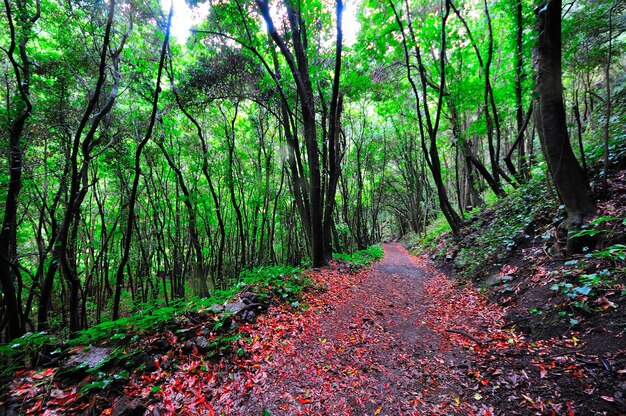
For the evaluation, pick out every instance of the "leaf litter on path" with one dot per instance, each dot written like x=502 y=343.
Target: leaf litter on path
x=399 y=339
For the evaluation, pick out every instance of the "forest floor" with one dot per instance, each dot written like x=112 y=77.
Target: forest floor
x=401 y=338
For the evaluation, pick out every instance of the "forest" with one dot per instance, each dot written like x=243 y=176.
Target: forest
x=161 y=157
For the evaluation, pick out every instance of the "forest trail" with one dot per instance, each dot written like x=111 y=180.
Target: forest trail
x=400 y=338
x=371 y=351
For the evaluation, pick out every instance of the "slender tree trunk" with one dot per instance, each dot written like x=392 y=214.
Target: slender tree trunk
x=219 y=267
x=495 y=186
x=579 y=129
x=432 y=125
x=607 y=121
x=299 y=67
x=198 y=271
x=83 y=142
x=119 y=276
x=520 y=175
x=229 y=133
x=335 y=153
x=9 y=269
x=519 y=75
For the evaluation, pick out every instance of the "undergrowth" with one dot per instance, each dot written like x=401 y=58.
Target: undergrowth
x=491 y=238
x=362 y=258
x=283 y=283
x=492 y=233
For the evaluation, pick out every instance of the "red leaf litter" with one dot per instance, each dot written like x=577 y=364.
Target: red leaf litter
x=398 y=339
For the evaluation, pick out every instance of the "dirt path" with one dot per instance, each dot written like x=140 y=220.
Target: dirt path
x=398 y=339
x=369 y=352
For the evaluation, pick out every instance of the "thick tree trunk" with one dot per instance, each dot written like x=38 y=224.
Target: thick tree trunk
x=567 y=175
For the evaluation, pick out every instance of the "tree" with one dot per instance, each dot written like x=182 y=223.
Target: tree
x=567 y=175
x=320 y=213
x=132 y=200
x=17 y=121
x=429 y=122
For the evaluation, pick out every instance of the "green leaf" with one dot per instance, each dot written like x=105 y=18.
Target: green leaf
x=584 y=290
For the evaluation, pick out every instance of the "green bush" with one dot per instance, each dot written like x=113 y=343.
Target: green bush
x=362 y=258
x=284 y=282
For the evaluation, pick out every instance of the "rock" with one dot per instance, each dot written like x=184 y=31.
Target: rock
x=144 y=360
x=233 y=327
x=126 y=406
x=496 y=279
x=235 y=307
x=188 y=347
x=248 y=316
x=215 y=308
x=160 y=345
x=203 y=344
x=249 y=297
x=87 y=358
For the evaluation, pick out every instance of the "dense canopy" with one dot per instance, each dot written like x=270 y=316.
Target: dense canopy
x=140 y=168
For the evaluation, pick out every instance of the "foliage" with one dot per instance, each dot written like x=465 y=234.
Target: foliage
x=362 y=258
x=493 y=234
x=216 y=203
x=284 y=282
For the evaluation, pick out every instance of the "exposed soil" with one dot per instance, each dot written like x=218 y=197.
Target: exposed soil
x=546 y=300
x=403 y=339
x=364 y=352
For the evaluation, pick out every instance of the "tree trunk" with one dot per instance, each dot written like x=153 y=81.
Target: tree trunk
x=519 y=75
x=607 y=117
x=335 y=153
x=431 y=125
x=567 y=175
x=9 y=270
x=119 y=276
x=299 y=68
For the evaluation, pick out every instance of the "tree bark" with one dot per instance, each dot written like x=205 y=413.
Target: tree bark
x=298 y=64
x=431 y=125
x=567 y=175
x=519 y=75
x=335 y=153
